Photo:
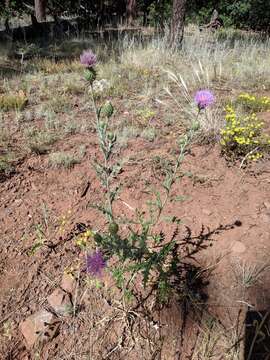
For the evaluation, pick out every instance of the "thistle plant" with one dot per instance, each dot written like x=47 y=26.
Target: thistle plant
x=142 y=253
x=107 y=139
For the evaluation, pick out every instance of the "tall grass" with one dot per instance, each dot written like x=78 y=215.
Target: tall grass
x=240 y=63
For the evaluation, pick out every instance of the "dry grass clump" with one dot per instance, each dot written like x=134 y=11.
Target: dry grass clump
x=39 y=141
x=16 y=101
x=63 y=159
x=50 y=67
x=216 y=342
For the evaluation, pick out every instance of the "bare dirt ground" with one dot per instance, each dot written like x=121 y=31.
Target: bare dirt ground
x=34 y=200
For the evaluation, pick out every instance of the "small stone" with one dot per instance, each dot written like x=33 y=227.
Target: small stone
x=68 y=283
x=207 y=212
x=267 y=204
x=60 y=301
x=39 y=327
x=238 y=247
x=18 y=202
x=266 y=218
x=24 y=309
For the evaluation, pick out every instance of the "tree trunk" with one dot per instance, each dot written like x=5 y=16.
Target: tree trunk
x=177 y=23
x=40 y=10
x=7 y=28
x=131 y=11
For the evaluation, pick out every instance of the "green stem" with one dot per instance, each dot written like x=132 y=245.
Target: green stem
x=102 y=141
x=179 y=161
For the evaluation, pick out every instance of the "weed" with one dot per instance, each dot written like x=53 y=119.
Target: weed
x=214 y=339
x=248 y=275
x=127 y=133
x=13 y=102
x=73 y=86
x=71 y=127
x=39 y=233
x=6 y=164
x=63 y=221
x=25 y=117
x=51 y=121
x=101 y=87
x=7 y=329
x=145 y=114
x=60 y=104
x=140 y=253
x=39 y=141
x=149 y=134
x=62 y=159
x=51 y=67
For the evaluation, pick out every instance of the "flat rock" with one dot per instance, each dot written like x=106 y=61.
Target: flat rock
x=60 y=301
x=238 y=247
x=266 y=218
x=39 y=328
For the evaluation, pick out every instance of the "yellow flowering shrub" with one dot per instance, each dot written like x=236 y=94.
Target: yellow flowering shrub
x=146 y=114
x=254 y=103
x=243 y=135
x=83 y=239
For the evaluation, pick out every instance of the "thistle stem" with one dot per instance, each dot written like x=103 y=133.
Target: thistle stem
x=103 y=143
x=174 y=173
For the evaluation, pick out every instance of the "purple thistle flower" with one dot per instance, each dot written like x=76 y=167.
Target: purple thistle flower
x=95 y=263
x=204 y=98
x=88 y=58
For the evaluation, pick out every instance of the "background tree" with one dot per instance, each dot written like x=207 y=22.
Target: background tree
x=131 y=11
x=40 y=10
x=243 y=14
x=177 y=22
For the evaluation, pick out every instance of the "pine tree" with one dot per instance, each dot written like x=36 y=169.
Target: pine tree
x=40 y=10
x=177 y=22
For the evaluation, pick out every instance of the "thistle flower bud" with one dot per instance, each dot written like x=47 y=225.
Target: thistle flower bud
x=102 y=124
x=111 y=136
x=90 y=75
x=113 y=228
x=195 y=126
x=107 y=109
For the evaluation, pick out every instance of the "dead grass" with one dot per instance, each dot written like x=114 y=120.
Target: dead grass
x=62 y=159
x=216 y=342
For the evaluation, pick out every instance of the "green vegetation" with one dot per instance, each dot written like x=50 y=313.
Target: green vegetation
x=13 y=101
x=61 y=159
x=248 y=14
x=254 y=103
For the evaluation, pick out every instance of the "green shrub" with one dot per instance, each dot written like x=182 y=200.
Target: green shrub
x=62 y=159
x=13 y=101
x=39 y=141
x=5 y=165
